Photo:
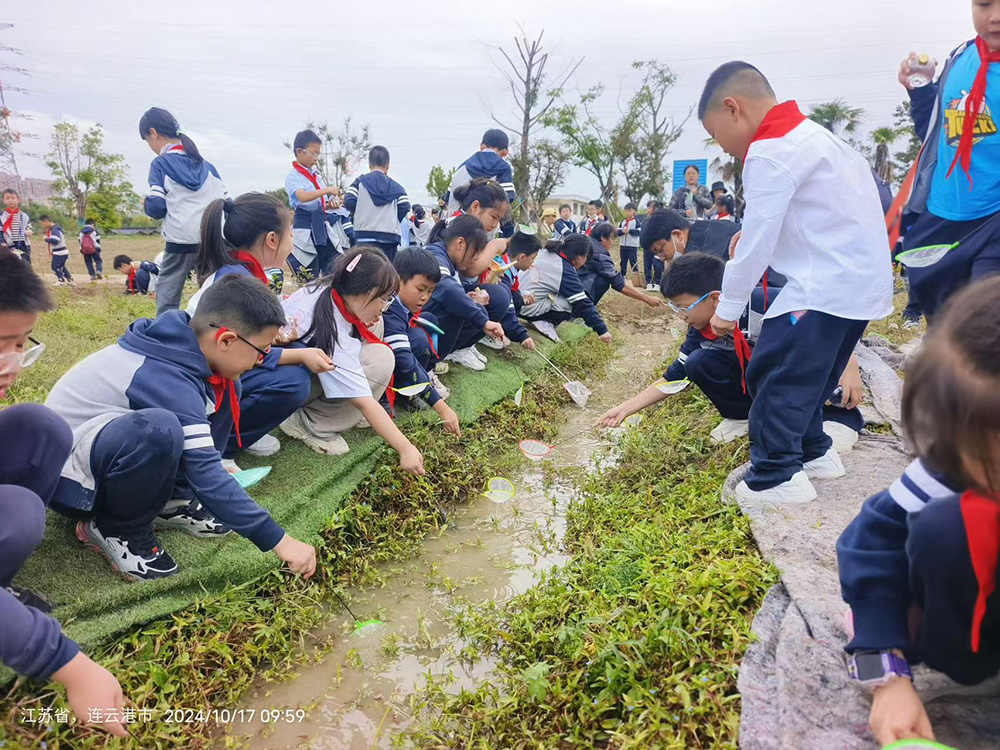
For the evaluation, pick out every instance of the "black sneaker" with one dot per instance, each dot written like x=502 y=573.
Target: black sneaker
x=190 y=516
x=136 y=555
x=31 y=599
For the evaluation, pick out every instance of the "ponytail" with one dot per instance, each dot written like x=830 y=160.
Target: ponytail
x=574 y=246
x=487 y=192
x=167 y=126
x=373 y=276
x=466 y=226
x=230 y=225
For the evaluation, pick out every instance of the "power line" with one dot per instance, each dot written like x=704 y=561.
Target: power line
x=8 y=137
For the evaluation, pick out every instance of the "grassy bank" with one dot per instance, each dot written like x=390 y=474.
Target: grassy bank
x=636 y=642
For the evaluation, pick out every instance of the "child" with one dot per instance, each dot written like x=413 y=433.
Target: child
x=484 y=199
x=36 y=443
x=500 y=282
x=723 y=210
x=144 y=453
x=256 y=235
x=412 y=344
x=668 y=234
x=489 y=163
x=813 y=213
x=313 y=252
x=522 y=251
x=692 y=199
x=554 y=285
x=458 y=245
x=692 y=285
x=340 y=314
x=718 y=191
x=546 y=224
x=377 y=204
x=16 y=226
x=594 y=208
x=600 y=274
x=918 y=564
x=181 y=185
x=565 y=225
x=652 y=267
x=421 y=227
x=139 y=275
x=628 y=246
x=90 y=248
x=956 y=194
x=58 y=251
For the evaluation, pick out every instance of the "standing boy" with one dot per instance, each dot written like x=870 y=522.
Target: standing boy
x=628 y=245
x=312 y=246
x=593 y=217
x=565 y=224
x=378 y=204
x=58 y=251
x=489 y=162
x=90 y=248
x=16 y=226
x=813 y=213
x=652 y=266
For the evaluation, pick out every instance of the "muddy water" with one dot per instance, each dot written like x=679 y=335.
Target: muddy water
x=356 y=696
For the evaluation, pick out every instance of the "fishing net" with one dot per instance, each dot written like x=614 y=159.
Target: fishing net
x=921 y=257
x=500 y=490
x=578 y=392
x=671 y=387
x=535 y=450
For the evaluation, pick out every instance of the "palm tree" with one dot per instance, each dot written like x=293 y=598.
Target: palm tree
x=730 y=169
x=837 y=114
x=883 y=138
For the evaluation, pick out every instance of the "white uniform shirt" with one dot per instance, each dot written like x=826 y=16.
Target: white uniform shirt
x=813 y=214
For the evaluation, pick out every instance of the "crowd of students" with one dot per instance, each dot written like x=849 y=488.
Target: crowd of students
x=143 y=435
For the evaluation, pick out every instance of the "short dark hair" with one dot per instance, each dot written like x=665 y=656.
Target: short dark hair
x=415 y=261
x=596 y=203
x=44 y=217
x=21 y=289
x=565 y=205
x=378 y=157
x=693 y=273
x=732 y=78
x=660 y=225
x=574 y=246
x=241 y=304
x=602 y=230
x=91 y=222
x=951 y=404
x=121 y=260
x=630 y=207
x=11 y=191
x=304 y=138
x=653 y=203
x=695 y=167
x=496 y=138
x=523 y=244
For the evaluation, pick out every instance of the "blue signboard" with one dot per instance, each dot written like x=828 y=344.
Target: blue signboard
x=681 y=164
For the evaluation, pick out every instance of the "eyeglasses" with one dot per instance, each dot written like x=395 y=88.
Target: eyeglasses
x=261 y=353
x=17 y=361
x=387 y=303
x=685 y=310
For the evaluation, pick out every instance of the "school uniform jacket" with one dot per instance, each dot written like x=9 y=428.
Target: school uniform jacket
x=397 y=335
x=557 y=286
x=17 y=231
x=158 y=364
x=600 y=273
x=564 y=227
x=449 y=298
x=629 y=230
x=377 y=204
x=139 y=284
x=91 y=230
x=180 y=189
x=490 y=165
x=56 y=240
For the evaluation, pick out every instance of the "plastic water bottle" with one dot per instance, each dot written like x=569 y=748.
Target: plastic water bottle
x=921 y=71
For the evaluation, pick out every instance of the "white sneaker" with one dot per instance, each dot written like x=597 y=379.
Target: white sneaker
x=656 y=287
x=729 y=430
x=798 y=489
x=649 y=287
x=190 y=516
x=335 y=445
x=230 y=465
x=466 y=358
x=492 y=343
x=440 y=387
x=827 y=466
x=479 y=355
x=546 y=328
x=266 y=446
x=843 y=436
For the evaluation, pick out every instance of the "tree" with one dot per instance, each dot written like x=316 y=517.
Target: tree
x=281 y=194
x=903 y=124
x=82 y=168
x=438 y=181
x=546 y=167
x=344 y=150
x=837 y=116
x=882 y=163
x=730 y=169
x=526 y=81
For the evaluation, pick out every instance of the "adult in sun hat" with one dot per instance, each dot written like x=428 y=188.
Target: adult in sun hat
x=546 y=227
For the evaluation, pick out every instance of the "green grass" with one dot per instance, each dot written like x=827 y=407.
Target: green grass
x=636 y=642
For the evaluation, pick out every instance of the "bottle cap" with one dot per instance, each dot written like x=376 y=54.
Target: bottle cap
x=923 y=59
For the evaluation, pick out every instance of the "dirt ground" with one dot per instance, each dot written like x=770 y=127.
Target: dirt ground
x=137 y=248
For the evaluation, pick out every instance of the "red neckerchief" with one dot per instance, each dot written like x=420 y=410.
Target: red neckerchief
x=982 y=529
x=720 y=217
x=743 y=350
x=459 y=212
x=367 y=335
x=779 y=122
x=221 y=386
x=251 y=263
x=130 y=281
x=176 y=147
x=11 y=212
x=312 y=178
x=973 y=103
x=430 y=340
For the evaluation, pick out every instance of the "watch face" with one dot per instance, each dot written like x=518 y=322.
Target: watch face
x=869 y=666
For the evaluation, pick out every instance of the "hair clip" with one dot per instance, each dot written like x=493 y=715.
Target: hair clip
x=354 y=262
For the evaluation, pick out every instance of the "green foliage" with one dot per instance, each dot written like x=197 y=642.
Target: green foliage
x=586 y=139
x=545 y=169
x=57 y=211
x=134 y=220
x=903 y=123
x=882 y=138
x=281 y=194
x=102 y=206
x=82 y=169
x=438 y=181
x=837 y=116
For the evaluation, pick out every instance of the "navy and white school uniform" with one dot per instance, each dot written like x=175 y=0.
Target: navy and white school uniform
x=412 y=346
x=15 y=225
x=652 y=266
x=587 y=223
x=563 y=227
x=486 y=164
x=270 y=392
x=341 y=229
x=312 y=245
x=813 y=214
x=140 y=278
x=923 y=547
x=148 y=426
x=95 y=266
x=629 y=231
x=502 y=308
x=599 y=274
x=460 y=318
x=56 y=241
x=377 y=204
x=559 y=293
x=180 y=189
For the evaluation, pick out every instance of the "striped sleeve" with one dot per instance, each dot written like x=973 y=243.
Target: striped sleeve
x=198 y=436
x=155 y=202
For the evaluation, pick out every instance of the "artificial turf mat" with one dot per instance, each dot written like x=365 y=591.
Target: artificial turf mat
x=302 y=492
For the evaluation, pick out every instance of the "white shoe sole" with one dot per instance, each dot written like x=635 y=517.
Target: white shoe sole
x=293 y=428
x=263 y=452
x=743 y=492
x=719 y=436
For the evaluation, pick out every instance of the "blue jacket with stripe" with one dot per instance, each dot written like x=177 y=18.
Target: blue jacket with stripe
x=397 y=335
x=487 y=164
x=449 y=298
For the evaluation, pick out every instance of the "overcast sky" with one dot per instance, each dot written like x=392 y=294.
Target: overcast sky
x=243 y=77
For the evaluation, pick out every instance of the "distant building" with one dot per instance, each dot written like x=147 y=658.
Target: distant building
x=31 y=189
x=577 y=202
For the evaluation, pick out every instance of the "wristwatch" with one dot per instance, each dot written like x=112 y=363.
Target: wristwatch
x=875 y=668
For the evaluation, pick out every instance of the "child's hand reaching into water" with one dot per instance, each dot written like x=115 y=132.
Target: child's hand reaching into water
x=898 y=714
x=614 y=416
x=301 y=557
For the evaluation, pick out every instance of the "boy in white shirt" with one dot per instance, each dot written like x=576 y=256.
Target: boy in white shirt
x=813 y=214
